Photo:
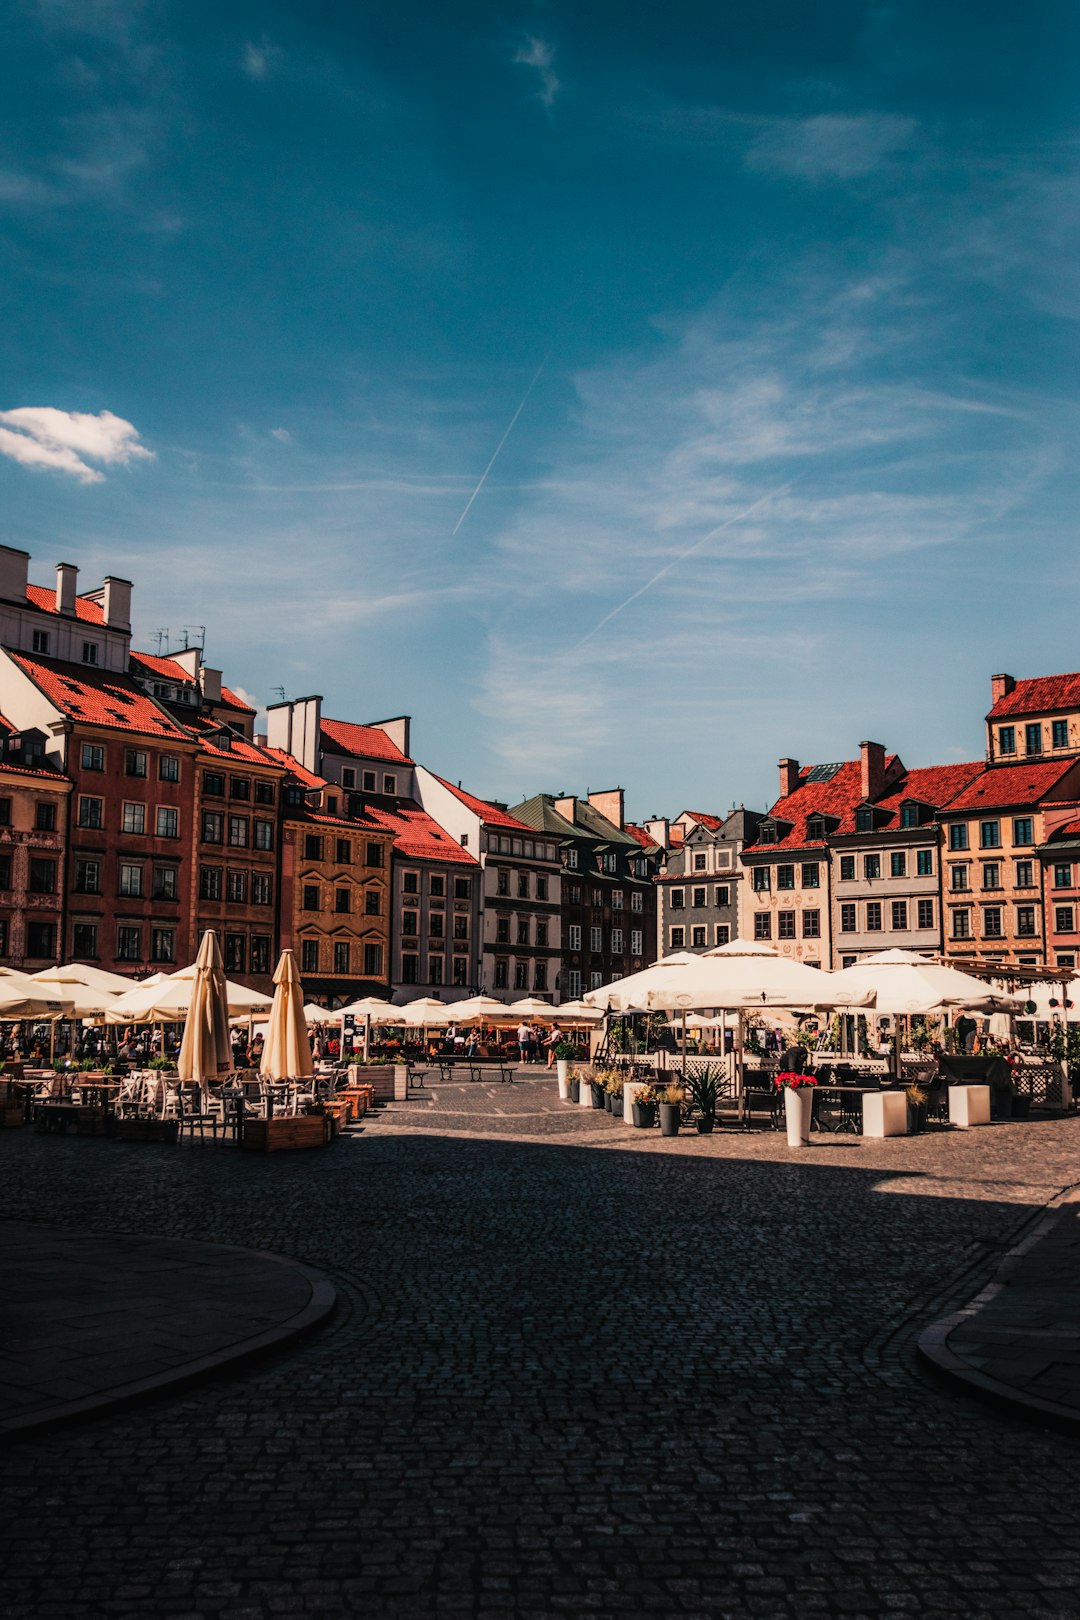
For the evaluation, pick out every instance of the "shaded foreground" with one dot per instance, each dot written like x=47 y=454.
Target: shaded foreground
x=572 y=1371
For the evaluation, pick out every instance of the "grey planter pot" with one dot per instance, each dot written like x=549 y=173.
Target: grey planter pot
x=669 y=1119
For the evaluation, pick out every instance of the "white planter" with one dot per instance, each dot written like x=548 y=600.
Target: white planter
x=584 y=1094
x=564 y=1083
x=562 y=1066
x=968 y=1106
x=797 y=1106
x=884 y=1113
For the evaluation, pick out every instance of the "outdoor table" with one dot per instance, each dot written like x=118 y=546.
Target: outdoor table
x=850 y=1100
x=55 y=1117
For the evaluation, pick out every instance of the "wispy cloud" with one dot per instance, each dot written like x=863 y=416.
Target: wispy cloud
x=259 y=59
x=68 y=441
x=830 y=146
x=539 y=54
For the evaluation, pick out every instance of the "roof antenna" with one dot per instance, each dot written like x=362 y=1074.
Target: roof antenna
x=162 y=636
x=279 y=693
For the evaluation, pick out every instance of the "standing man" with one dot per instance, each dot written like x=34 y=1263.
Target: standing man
x=524 y=1038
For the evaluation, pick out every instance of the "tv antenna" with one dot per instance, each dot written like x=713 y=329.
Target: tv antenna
x=189 y=640
x=279 y=693
x=162 y=639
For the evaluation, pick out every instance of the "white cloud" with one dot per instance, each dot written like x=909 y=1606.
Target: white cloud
x=540 y=54
x=258 y=61
x=282 y=435
x=68 y=441
x=830 y=146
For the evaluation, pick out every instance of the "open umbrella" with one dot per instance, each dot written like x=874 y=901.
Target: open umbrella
x=321 y=1015
x=21 y=996
x=425 y=1011
x=479 y=1010
x=532 y=1007
x=906 y=983
x=205 y=1051
x=287 y=1050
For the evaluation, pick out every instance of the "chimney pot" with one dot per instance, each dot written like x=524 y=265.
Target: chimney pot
x=872 y=768
x=789 y=777
x=67 y=576
x=1000 y=686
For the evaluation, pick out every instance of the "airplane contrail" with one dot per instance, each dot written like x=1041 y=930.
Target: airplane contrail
x=675 y=561
x=498 y=447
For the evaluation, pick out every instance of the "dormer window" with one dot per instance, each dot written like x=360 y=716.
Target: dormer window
x=41 y=642
x=89 y=652
x=767 y=832
x=864 y=819
x=815 y=828
x=910 y=815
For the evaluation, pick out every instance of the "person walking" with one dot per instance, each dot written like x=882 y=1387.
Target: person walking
x=551 y=1042
x=524 y=1039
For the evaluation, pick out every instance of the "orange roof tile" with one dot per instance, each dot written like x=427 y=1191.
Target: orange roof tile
x=835 y=798
x=100 y=697
x=1038 y=694
x=419 y=835
x=930 y=784
x=999 y=787
x=490 y=814
x=44 y=597
x=370 y=742
x=154 y=664
x=713 y=823
x=307 y=778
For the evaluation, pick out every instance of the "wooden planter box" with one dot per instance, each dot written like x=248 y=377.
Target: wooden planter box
x=293 y=1131
x=380 y=1077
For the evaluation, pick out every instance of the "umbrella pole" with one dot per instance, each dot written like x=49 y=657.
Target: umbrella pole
x=684 y=1043
x=739 y=1058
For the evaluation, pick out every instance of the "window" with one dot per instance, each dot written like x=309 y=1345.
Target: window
x=134 y=762
x=374 y=856
x=898 y=863
x=847 y=868
x=128 y=943
x=93 y=757
x=1033 y=737
x=958 y=876
x=262 y=889
x=342 y=955
x=235 y=953
x=989 y=835
x=909 y=815
x=1059 y=734
x=389 y=784
x=871 y=866
x=678 y=899
x=214 y=784
x=899 y=915
x=1062 y=876
x=502 y=881
x=131 y=880
x=372 y=903
x=785 y=921
x=761 y=880
x=461 y=926
x=45 y=817
x=1006 y=739
x=595 y=939
x=310 y=898
x=785 y=877
x=236 y=884
x=573 y=937
x=635 y=942
x=264 y=837
x=373 y=961
x=264 y=794
x=522 y=930
x=165 y=886
x=961 y=924
x=502 y=973
x=260 y=953
x=84 y=940
x=502 y=931
x=134 y=820
x=89 y=652
x=87 y=877
x=926 y=913
x=1023 y=831
x=213 y=827
x=437 y=924
x=39 y=642
x=810 y=875
x=873 y=916
x=168 y=768
x=699 y=863
x=762 y=925
x=572 y=859
x=309 y=959
x=864 y=819
x=540 y=976
x=40 y=939
x=521 y=975
x=678 y=938
x=991 y=922
x=91 y=812
x=348 y=776
x=811 y=924
x=437 y=885
x=239 y=787
x=617 y=940
x=313 y=845
x=42 y=876
x=542 y=889
x=958 y=835
x=163 y=946
x=410 y=883
x=924 y=862
x=1025 y=875
x=410 y=922
x=1063 y=920
x=697 y=897
x=523 y=885
x=461 y=971
x=1025 y=921
x=723 y=934
x=5 y=812
x=462 y=888
x=210 y=879
x=636 y=901
x=991 y=875
x=168 y=822
x=595 y=980
x=723 y=895
x=238 y=832
x=847 y=919
x=541 y=931
x=1067 y=959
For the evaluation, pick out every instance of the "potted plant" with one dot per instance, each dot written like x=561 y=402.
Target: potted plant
x=798 y=1092
x=565 y=1053
x=916 y=1111
x=704 y=1089
x=573 y=1086
x=671 y=1101
x=613 y=1085
x=643 y=1108
x=564 y=1075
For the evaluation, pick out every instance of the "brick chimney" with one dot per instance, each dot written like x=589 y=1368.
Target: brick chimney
x=567 y=806
x=1000 y=686
x=610 y=804
x=14 y=566
x=659 y=830
x=789 y=776
x=67 y=576
x=872 y=761
x=116 y=603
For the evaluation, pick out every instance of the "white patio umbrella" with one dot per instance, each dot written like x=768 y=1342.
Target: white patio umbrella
x=206 y=1051
x=576 y=1012
x=322 y=1015
x=21 y=996
x=533 y=1007
x=479 y=1010
x=905 y=983
x=287 y=1049
x=424 y=1012
x=371 y=1010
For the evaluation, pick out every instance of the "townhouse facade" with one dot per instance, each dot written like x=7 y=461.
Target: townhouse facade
x=33 y=851
x=700 y=892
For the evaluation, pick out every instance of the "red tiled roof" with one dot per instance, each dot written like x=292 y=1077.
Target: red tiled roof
x=307 y=778
x=230 y=700
x=370 y=742
x=1068 y=829
x=1001 y=786
x=364 y=823
x=418 y=835
x=172 y=671
x=835 y=798
x=42 y=596
x=935 y=785
x=713 y=823
x=239 y=747
x=645 y=839
x=100 y=697
x=489 y=814
x=1038 y=694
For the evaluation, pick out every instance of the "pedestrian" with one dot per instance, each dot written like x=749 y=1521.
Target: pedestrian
x=553 y=1040
x=524 y=1037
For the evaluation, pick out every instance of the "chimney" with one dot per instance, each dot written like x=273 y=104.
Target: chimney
x=1000 y=686
x=789 y=776
x=610 y=804
x=397 y=730
x=66 y=577
x=210 y=684
x=567 y=806
x=13 y=571
x=190 y=661
x=260 y=739
x=659 y=830
x=116 y=603
x=872 y=761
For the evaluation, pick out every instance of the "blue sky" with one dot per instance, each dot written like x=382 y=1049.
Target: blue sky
x=787 y=298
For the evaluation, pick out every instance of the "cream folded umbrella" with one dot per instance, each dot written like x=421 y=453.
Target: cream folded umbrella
x=287 y=1049
x=21 y=996
x=905 y=983
x=206 y=1051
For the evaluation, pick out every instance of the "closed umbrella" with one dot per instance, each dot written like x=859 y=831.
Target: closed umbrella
x=287 y=1052
x=206 y=1051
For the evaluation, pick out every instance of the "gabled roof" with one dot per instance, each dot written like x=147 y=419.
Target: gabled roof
x=492 y=815
x=645 y=839
x=835 y=797
x=1040 y=693
x=44 y=597
x=168 y=669
x=369 y=742
x=306 y=778
x=418 y=835
x=712 y=823
x=540 y=814
x=1000 y=787
x=100 y=697
x=239 y=748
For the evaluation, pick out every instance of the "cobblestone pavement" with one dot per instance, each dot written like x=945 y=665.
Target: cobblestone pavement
x=575 y=1370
